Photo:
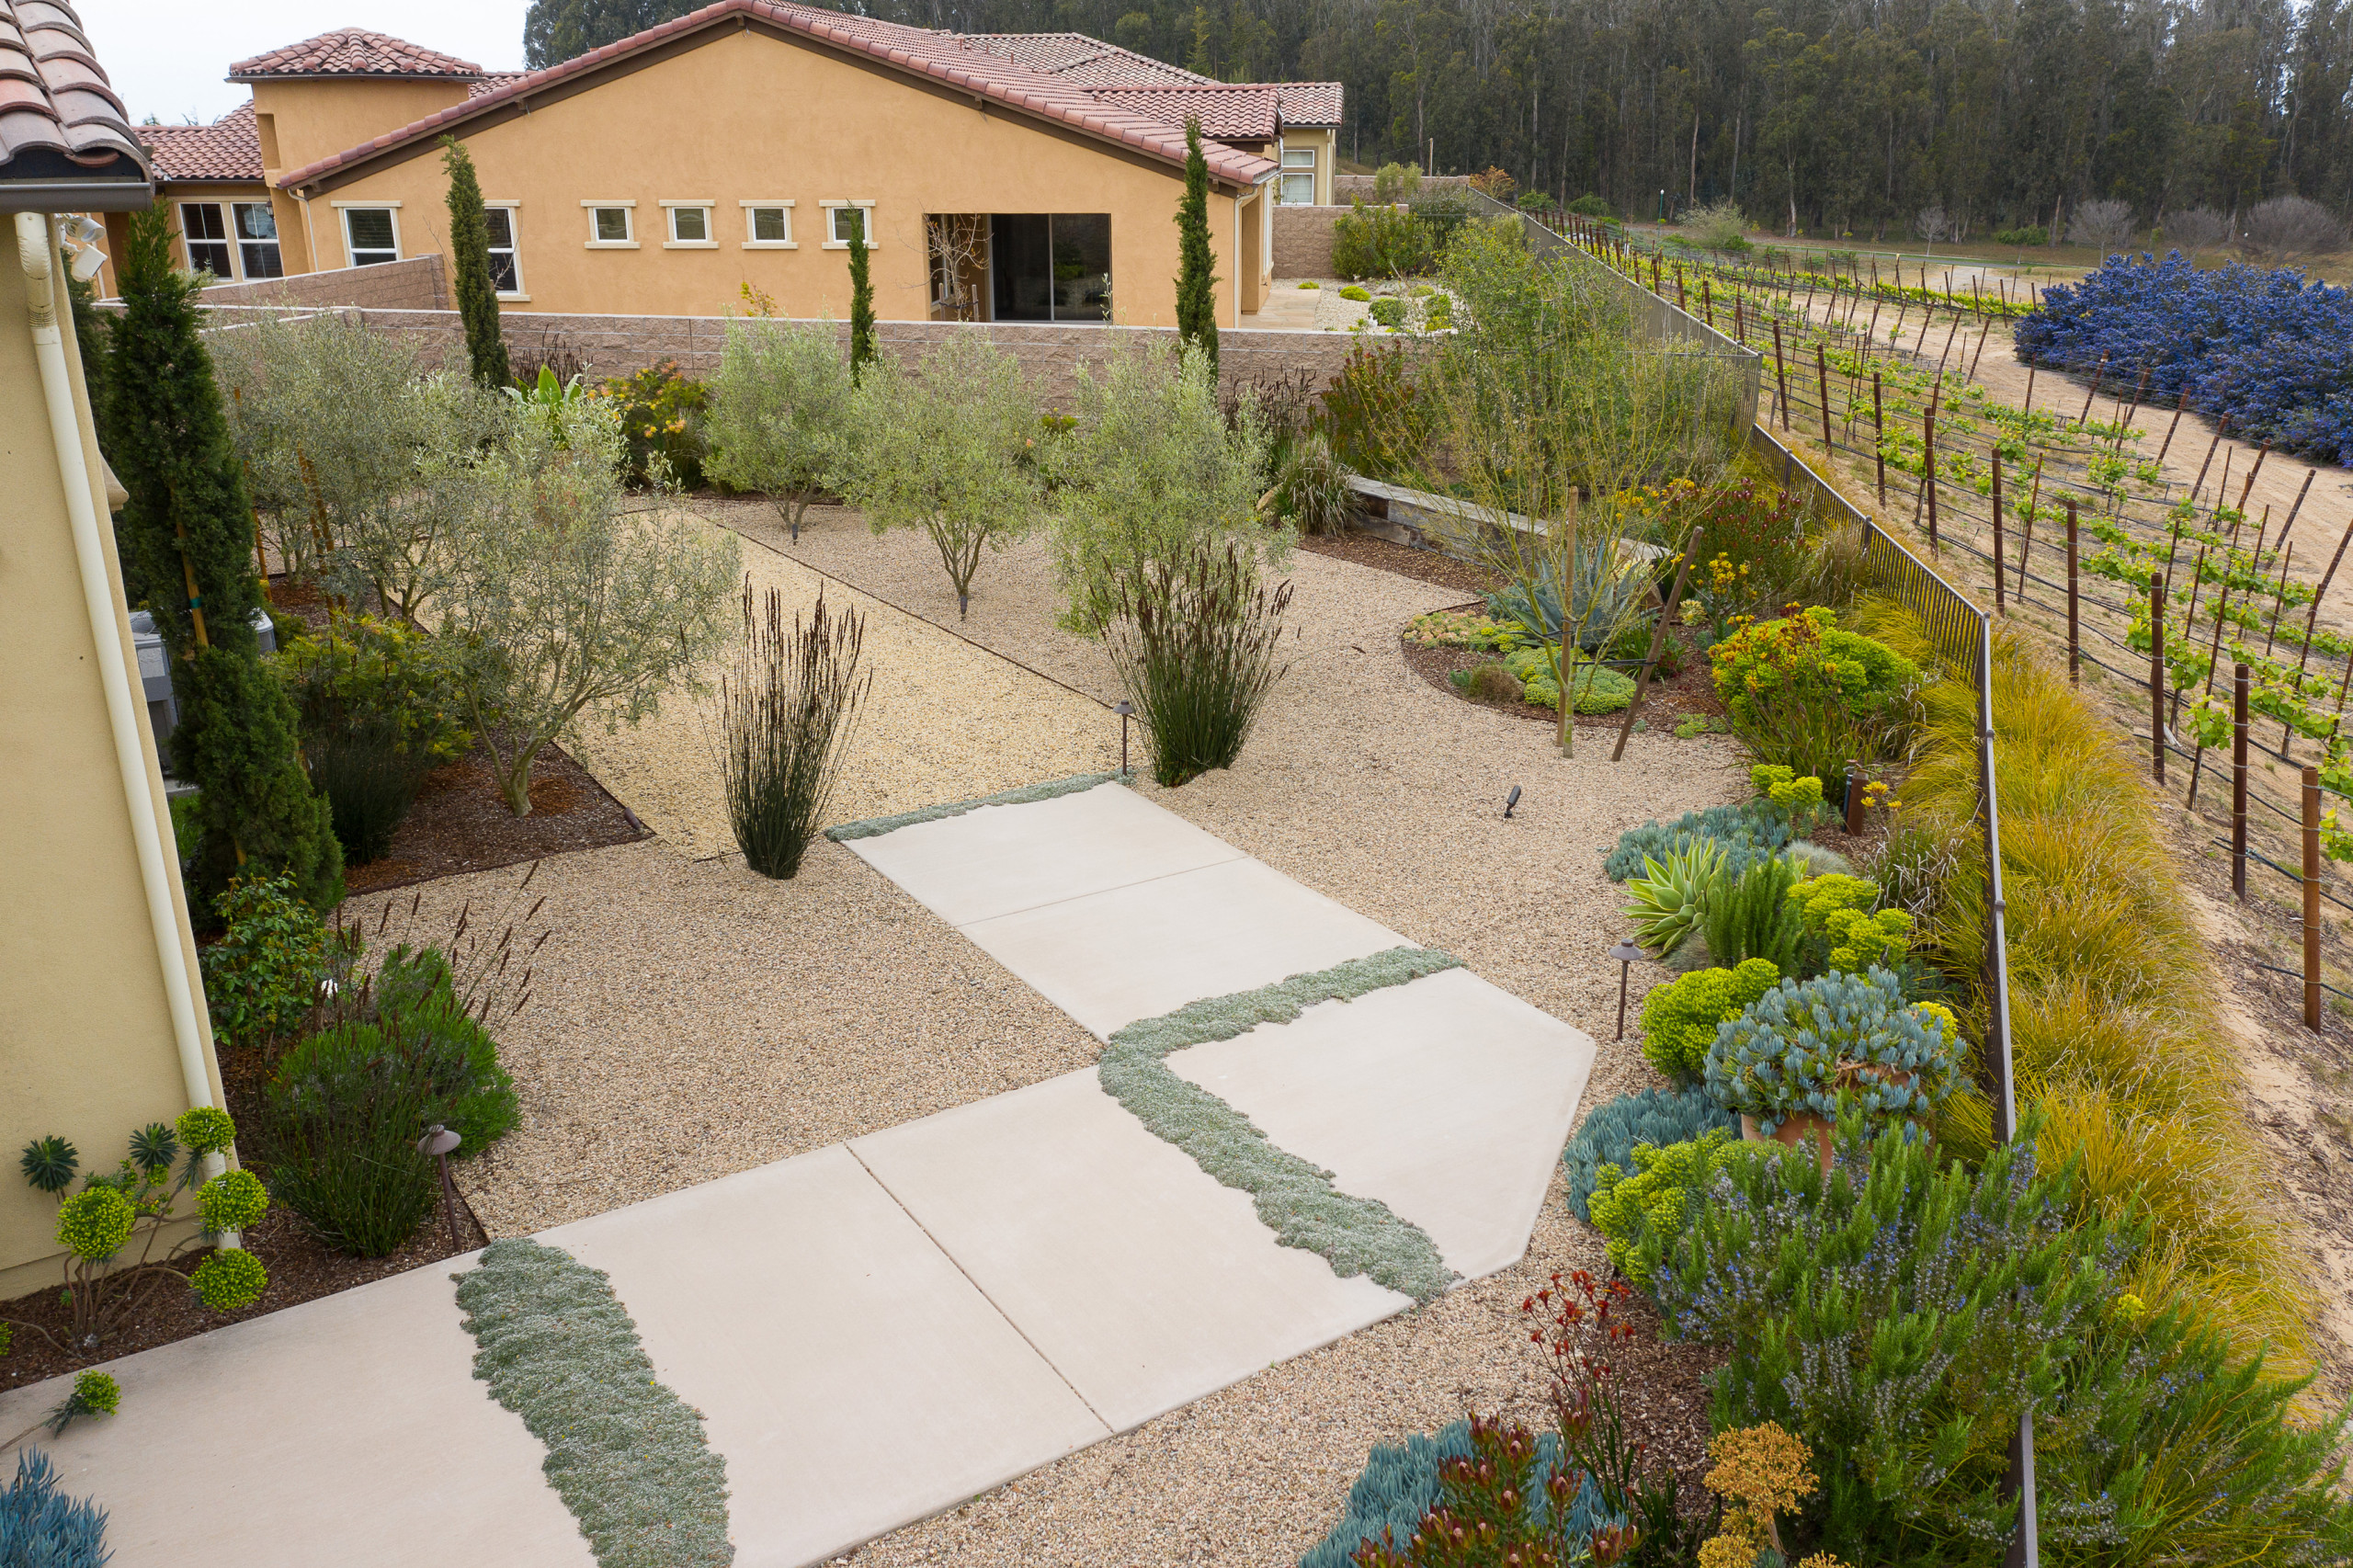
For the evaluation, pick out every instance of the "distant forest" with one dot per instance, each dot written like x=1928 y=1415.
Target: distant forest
x=1833 y=116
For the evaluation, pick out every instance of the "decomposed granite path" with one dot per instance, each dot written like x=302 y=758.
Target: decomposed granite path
x=882 y=1329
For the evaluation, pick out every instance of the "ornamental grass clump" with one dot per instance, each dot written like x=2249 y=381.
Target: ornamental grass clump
x=97 y=1225
x=1194 y=641
x=1810 y=1048
x=787 y=712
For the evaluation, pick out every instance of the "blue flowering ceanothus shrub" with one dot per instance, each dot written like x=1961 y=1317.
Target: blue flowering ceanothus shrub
x=2263 y=346
x=1806 y=1045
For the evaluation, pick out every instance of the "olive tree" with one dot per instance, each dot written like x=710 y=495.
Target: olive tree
x=569 y=604
x=947 y=446
x=780 y=414
x=1152 y=470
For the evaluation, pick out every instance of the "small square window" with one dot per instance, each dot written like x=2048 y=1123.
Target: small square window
x=771 y=225
x=612 y=226
x=850 y=223
x=1298 y=190
x=258 y=240
x=369 y=233
x=690 y=225
x=1299 y=157
x=207 y=237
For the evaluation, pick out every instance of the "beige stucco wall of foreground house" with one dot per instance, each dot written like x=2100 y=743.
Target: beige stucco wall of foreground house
x=86 y=1049
x=748 y=115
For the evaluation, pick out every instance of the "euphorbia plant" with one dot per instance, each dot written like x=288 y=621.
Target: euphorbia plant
x=98 y=1224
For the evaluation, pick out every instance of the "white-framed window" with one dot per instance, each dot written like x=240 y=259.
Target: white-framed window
x=612 y=226
x=689 y=225
x=846 y=219
x=503 y=223
x=767 y=225
x=258 y=240
x=371 y=232
x=1298 y=176
x=206 y=234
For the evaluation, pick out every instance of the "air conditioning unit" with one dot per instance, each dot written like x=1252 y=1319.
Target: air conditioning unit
x=155 y=674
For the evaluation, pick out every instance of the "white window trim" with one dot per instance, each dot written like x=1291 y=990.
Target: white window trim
x=238 y=241
x=514 y=233
x=788 y=243
x=228 y=226
x=344 y=224
x=590 y=209
x=832 y=244
x=670 y=226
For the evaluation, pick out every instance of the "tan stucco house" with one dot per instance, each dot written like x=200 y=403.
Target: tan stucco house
x=102 y=1015
x=997 y=177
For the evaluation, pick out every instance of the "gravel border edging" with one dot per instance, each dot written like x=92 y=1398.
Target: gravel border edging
x=872 y=828
x=627 y=1455
x=1294 y=1199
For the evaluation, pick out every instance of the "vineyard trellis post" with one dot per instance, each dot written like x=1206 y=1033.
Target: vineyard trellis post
x=1822 y=375
x=1928 y=464
x=2312 y=898
x=2238 y=781
x=1782 y=372
x=1879 y=437
x=2157 y=676
x=1658 y=638
x=2000 y=605
x=2074 y=620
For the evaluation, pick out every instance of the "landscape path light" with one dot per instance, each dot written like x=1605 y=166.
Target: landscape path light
x=1509 y=801
x=1625 y=952
x=440 y=1143
x=1124 y=709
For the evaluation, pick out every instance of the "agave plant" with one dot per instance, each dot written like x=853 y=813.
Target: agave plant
x=1665 y=900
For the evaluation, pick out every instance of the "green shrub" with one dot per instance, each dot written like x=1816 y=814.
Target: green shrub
x=1353 y=292
x=95 y=1223
x=1750 y=917
x=1383 y=241
x=1747 y=835
x=361 y=670
x=1812 y=732
x=1680 y=1019
x=1592 y=206
x=1311 y=283
x=1607 y=1134
x=263 y=974
x=1805 y=1047
x=786 y=719
x=1667 y=899
x=1194 y=643
x=1597 y=687
x=229 y=1279
x=661 y=411
x=1807 y=653
x=1312 y=487
x=1844 y=932
x=1493 y=683
x=1896 y=1324
x=1389 y=313
x=1785 y=797
x=1377 y=414
x=1643 y=1213
x=44 y=1528
x=437 y=1042
x=231 y=1202
x=2033 y=235
x=341 y=1140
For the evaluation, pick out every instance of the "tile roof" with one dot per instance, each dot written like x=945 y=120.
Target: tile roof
x=352 y=51
x=492 y=81
x=1227 y=113
x=941 y=57
x=228 y=149
x=1312 y=103
x=1085 y=62
x=61 y=126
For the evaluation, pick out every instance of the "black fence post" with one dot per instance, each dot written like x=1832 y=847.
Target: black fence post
x=2074 y=640
x=2238 y=781
x=2001 y=606
x=2157 y=676
x=2311 y=899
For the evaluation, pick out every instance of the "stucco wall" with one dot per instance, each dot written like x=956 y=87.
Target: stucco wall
x=1050 y=355
x=1304 y=241
x=748 y=115
x=86 y=1050
x=411 y=283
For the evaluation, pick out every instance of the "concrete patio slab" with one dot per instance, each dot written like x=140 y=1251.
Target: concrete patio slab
x=348 y=1430
x=1109 y=959
x=1001 y=859
x=1447 y=1098
x=1143 y=1280
x=852 y=1377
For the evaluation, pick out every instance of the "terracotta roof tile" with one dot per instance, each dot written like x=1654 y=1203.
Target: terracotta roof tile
x=1085 y=61
x=946 y=57
x=1226 y=113
x=228 y=149
x=1314 y=103
x=352 y=52
x=61 y=123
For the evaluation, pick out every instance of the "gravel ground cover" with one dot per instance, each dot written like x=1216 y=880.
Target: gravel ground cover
x=945 y=721
x=1369 y=785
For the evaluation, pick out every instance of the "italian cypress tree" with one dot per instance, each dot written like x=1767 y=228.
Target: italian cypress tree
x=470 y=254
x=861 y=301
x=1196 y=285
x=189 y=527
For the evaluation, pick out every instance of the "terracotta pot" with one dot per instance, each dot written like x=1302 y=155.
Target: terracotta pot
x=1795 y=1126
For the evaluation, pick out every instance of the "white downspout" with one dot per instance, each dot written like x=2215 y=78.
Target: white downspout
x=124 y=713
x=1235 y=266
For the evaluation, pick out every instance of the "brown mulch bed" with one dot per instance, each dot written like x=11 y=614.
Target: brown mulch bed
x=460 y=823
x=1670 y=700
x=1426 y=566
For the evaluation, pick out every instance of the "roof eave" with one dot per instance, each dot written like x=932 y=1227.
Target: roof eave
x=260 y=76
x=90 y=195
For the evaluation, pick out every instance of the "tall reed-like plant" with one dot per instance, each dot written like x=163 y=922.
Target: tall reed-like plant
x=788 y=709
x=1194 y=640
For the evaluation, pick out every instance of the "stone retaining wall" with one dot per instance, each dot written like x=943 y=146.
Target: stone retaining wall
x=1304 y=241
x=416 y=283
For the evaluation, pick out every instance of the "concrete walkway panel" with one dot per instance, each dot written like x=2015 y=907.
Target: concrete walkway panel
x=853 y=1378
x=1447 y=1098
x=1000 y=859
x=1141 y=1278
x=1138 y=951
x=346 y=1431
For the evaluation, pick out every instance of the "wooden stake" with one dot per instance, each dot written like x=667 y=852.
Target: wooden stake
x=2098 y=373
x=2075 y=639
x=1879 y=436
x=2311 y=899
x=1822 y=377
x=2286 y=528
x=2248 y=489
x=2238 y=781
x=2157 y=676
x=1781 y=374
x=2000 y=607
x=2161 y=450
x=1658 y=641
x=1928 y=468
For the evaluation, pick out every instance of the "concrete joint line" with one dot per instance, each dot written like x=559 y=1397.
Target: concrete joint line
x=874 y=827
x=979 y=1289
x=1098 y=892
x=1294 y=1199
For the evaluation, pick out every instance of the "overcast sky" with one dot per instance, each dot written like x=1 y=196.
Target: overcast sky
x=167 y=57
